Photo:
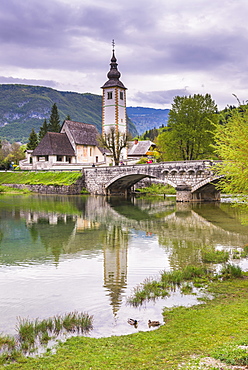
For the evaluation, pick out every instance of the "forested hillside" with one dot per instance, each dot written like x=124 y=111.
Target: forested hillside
x=23 y=107
x=147 y=118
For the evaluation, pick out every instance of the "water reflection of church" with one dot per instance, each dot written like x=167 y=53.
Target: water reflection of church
x=84 y=235
x=115 y=264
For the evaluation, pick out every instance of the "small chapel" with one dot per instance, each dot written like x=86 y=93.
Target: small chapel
x=76 y=145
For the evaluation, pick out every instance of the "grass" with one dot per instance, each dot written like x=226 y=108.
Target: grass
x=10 y=190
x=157 y=189
x=210 y=255
x=234 y=353
x=230 y=271
x=198 y=331
x=85 y=191
x=39 y=178
x=34 y=334
x=199 y=276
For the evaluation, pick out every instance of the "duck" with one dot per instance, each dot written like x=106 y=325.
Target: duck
x=133 y=322
x=153 y=323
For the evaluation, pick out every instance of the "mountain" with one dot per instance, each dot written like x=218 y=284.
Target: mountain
x=147 y=118
x=23 y=107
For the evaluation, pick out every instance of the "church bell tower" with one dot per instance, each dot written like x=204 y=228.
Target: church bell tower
x=114 y=100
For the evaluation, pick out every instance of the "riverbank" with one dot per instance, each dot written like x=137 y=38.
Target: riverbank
x=70 y=183
x=204 y=330
x=40 y=178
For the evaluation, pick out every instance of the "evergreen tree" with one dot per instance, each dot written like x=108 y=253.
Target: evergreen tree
x=43 y=130
x=32 y=141
x=68 y=117
x=54 y=121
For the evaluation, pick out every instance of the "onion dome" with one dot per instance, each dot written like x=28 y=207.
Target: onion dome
x=113 y=75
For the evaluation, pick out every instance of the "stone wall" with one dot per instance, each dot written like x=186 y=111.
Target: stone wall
x=52 y=189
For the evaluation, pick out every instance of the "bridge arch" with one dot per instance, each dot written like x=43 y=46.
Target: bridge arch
x=124 y=182
x=209 y=180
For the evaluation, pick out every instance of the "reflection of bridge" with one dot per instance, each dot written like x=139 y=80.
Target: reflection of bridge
x=193 y=180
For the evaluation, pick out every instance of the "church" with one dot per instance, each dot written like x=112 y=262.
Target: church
x=76 y=145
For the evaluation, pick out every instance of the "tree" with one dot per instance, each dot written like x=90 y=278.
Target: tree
x=150 y=134
x=11 y=153
x=114 y=141
x=54 y=121
x=43 y=130
x=231 y=145
x=32 y=141
x=168 y=152
x=188 y=135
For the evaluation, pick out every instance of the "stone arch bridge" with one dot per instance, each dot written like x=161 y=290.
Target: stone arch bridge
x=193 y=180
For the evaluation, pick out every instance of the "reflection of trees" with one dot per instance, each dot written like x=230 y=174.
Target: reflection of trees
x=182 y=253
x=53 y=236
x=192 y=227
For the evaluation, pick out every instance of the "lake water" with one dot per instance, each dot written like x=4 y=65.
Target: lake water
x=64 y=253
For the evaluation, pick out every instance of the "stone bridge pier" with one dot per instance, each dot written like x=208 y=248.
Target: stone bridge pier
x=193 y=180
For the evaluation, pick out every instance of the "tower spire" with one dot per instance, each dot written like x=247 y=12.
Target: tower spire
x=114 y=99
x=113 y=74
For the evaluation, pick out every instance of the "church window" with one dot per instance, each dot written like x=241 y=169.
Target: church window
x=121 y=95
x=110 y=95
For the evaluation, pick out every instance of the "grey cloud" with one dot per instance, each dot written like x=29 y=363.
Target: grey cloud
x=25 y=81
x=47 y=34
x=159 y=97
x=152 y=38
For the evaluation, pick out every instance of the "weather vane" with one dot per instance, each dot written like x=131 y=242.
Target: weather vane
x=113 y=44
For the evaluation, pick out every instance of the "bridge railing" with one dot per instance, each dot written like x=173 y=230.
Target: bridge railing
x=203 y=162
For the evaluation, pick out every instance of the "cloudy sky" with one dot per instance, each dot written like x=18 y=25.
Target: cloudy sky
x=164 y=48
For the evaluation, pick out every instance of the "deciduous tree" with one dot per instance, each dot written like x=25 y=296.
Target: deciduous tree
x=115 y=142
x=188 y=135
x=231 y=145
